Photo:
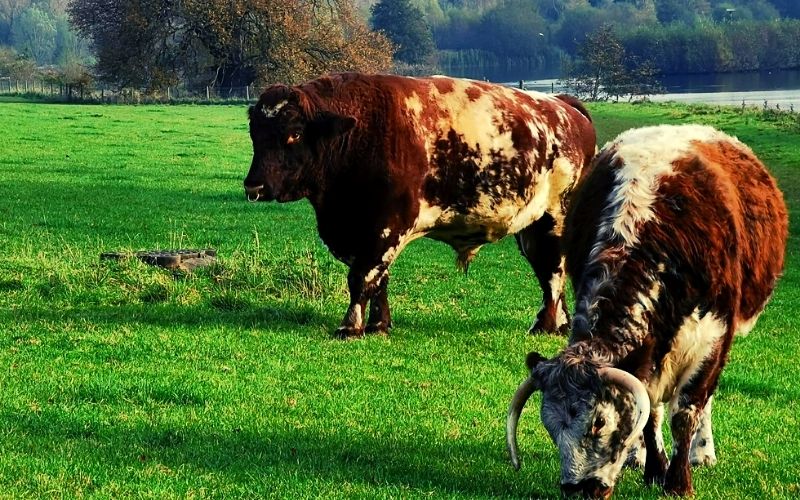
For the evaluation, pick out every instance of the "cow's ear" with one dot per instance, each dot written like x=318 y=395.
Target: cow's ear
x=327 y=124
x=639 y=361
x=533 y=359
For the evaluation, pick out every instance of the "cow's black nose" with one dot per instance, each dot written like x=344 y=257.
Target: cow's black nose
x=588 y=488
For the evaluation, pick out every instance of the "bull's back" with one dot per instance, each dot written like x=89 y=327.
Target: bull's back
x=761 y=218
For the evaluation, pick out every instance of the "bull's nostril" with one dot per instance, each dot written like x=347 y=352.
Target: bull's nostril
x=587 y=488
x=253 y=193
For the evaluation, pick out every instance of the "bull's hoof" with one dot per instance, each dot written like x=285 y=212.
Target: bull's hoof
x=678 y=483
x=704 y=461
x=547 y=326
x=348 y=333
x=679 y=490
x=654 y=473
x=380 y=328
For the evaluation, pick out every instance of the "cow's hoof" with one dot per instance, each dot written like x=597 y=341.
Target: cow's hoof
x=654 y=476
x=704 y=461
x=545 y=326
x=380 y=328
x=678 y=483
x=679 y=490
x=348 y=332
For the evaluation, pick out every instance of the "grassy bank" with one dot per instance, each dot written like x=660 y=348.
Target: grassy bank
x=120 y=379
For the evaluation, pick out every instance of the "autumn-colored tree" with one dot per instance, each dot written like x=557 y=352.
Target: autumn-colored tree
x=154 y=43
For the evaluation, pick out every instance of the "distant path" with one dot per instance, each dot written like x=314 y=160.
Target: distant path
x=753 y=98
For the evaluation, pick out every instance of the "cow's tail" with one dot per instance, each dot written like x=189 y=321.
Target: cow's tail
x=575 y=103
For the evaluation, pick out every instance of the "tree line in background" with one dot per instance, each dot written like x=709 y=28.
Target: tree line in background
x=154 y=44
x=679 y=36
x=37 y=40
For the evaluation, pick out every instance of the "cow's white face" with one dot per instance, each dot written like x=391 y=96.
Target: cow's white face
x=594 y=418
x=288 y=141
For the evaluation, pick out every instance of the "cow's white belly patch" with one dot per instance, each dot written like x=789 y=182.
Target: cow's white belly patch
x=693 y=343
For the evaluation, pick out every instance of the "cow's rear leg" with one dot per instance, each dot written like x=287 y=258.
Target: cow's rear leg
x=540 y=244
x=380 y=319
x=703 y=452
x=363 y=282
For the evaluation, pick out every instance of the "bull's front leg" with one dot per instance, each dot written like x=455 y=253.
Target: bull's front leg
x=380 y=318
x=364 y=282
x=655 y=466
x=678 y=480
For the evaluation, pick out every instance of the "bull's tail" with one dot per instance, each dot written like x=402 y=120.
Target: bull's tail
x=575 y=103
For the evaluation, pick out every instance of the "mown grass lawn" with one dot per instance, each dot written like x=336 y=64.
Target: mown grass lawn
x=124 y=380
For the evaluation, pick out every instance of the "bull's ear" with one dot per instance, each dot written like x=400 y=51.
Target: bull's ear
x=327 y=124
x=533 y=359
x=639 y=361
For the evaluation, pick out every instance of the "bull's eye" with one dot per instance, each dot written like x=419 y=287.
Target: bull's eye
x=599 y=422
x=294 y=137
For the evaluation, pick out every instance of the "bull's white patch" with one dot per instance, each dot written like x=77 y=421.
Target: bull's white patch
x=693 y=343
x=475 y=121
x=648 y=154
x=274 y=110
x=355 y=316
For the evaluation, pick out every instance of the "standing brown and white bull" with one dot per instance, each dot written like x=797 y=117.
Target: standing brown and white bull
x=674 y=242
x=387 y=159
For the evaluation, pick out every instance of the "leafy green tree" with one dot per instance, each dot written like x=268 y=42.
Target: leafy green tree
x=604 y=71
x=682 y=11
x=405 y=26
x=34 y=34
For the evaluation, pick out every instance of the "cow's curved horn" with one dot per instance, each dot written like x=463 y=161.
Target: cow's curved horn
x=524 y=391
x=636 y=387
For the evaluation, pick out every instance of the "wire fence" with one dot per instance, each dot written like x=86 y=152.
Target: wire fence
x=53 y=90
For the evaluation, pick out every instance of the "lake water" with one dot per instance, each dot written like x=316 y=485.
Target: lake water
x=777 y=88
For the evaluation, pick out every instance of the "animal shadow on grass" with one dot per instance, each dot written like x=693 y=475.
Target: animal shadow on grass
x=756 y=389
x=244 y=454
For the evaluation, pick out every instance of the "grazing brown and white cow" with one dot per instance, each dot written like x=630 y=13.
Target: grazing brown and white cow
x=387 y=159
x=674 y=242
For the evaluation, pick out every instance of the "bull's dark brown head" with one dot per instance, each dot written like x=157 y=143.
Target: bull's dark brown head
x=289 y=135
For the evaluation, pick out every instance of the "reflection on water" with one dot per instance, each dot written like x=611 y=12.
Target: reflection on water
x=673 y=84
x=732 y=82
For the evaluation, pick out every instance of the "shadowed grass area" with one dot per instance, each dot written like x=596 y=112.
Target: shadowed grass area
x=119 y=379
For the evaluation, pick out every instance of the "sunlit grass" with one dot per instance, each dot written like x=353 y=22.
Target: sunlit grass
x=123 y=380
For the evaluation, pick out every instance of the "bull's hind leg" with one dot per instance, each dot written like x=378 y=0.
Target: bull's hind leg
x=380 y=319
x=540 y=244
x=703 y=452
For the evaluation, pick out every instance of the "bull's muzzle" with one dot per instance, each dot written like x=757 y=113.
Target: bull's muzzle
x=588 y=488
x=253 y=193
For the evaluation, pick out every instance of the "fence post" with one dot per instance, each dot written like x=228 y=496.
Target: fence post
x=208 y=95
x=247 y=91
x=169 y=96
x=26 y=86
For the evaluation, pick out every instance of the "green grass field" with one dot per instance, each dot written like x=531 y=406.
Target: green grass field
x=124 y=380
